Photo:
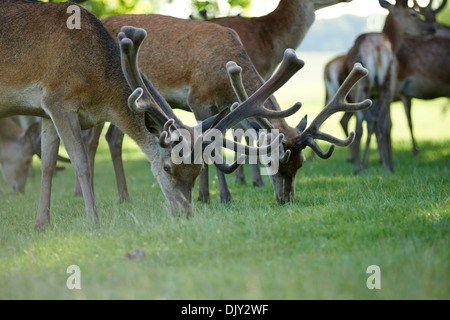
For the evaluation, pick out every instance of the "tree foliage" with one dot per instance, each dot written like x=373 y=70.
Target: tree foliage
x=208 y=9
x=200 y=8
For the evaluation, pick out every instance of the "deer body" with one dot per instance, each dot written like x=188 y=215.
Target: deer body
x=16 y=153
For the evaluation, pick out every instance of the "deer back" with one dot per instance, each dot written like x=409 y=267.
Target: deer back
x=46 y=63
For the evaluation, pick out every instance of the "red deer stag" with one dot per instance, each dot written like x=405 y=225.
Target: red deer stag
x=73 y=79
x=377 y=52
x=193 y=77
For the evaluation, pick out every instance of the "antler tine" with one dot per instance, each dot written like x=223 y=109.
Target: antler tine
x=145 y=98
x=164 y=138
x=337 y=103
x=254 y=106
x=440 y=7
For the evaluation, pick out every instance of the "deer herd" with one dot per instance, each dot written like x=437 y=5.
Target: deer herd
x=132 y=71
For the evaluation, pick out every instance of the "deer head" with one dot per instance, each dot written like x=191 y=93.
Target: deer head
x=406 y=19
x=16 y=155
x=291 y=157
x=176 y=140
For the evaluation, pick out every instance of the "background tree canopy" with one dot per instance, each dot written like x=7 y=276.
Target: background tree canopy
x=199 y=8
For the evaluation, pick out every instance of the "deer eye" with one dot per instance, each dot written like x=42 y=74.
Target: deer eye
x=167 y=168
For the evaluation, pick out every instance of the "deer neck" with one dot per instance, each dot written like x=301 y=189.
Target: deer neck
x=394 y=33
x=288 y=24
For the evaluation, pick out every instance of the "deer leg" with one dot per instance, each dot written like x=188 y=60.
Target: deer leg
x=115 y=141
x=345 y=120
x=68 y=127
x=355 y=147
x=407 y=106
x=389 y=143
x=49 y=155
x=203 y=192
x=91 y=139
x=370 y=129
x=240 y=174
x=255 y=170
x=225 y=195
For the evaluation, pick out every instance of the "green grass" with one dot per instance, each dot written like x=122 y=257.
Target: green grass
x=318 y=247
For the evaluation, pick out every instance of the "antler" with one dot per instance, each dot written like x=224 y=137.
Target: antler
x=306 y=138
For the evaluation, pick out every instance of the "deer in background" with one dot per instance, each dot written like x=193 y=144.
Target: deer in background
x=423 y=73
x=16 y=153
x=187 y=64
x=377 y=51
x=74 y=80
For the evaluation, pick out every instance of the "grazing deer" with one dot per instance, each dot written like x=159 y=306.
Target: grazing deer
x=74 y=79
x=186 y=64
x=16 y=153
x=377 y=52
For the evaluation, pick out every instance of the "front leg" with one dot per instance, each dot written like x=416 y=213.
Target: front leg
x=225 y=194
x=203 y=192
x=68 y=126
x=115 y=141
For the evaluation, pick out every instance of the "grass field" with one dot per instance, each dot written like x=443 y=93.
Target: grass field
x=318 y=247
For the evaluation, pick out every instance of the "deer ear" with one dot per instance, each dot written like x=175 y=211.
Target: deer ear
x=302 y=124
x=31 y=132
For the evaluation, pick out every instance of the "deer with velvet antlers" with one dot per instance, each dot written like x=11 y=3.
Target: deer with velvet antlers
x=74 y=79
